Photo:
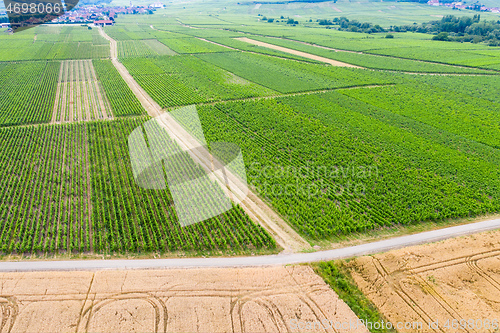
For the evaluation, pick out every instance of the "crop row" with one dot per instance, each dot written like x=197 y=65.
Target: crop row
x=122 y=100
x=325 y=179
x=192 y=45
x=368 y=60
x=27 y=50
x=70 y=188
x=27 y=92
x=44 y=204
x=288 y=76
x=142 y=48
x=185 y=79
x=474 y=118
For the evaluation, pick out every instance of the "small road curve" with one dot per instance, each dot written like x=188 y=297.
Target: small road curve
x=252 y=261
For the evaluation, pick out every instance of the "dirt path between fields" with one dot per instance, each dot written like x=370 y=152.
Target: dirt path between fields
x=297 y=53
x=102 y=103
x=79 y=96
x=94 y=107
x=72 y=100
x=284 y=235
x=151 y=107
x=86 y=106
x=493 y=72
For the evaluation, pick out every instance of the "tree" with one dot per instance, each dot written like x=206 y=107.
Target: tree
x=442 y=36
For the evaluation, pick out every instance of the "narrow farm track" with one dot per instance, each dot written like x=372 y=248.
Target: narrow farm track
x=218 y=44
x=393 y=57
x=151 y=107
x=297 y=53
x=257 y=209
x=253 y=261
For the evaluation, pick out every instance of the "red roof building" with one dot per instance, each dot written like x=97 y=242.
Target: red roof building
x=102 y=23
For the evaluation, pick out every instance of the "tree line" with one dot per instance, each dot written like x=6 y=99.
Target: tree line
x=459 y=29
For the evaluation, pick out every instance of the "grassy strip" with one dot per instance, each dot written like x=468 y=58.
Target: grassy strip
x=337 y=275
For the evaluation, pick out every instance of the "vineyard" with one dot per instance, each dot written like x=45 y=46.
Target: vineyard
x=44 y=197
x=79 y=94
x=70 y=188
x=475 y=86
x=123 y=101
x=142 y=48
x=332 y=150
x=243 y=46
x=192 y=45
x=368 y=60
x=473 y=118
x=184 y=80
x=288 y=76
x=345 y=184
x=27 y=92
x=54 y=43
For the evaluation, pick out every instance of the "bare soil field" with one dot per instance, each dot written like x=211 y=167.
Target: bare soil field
x=454 y=282
x=188 y=300
x=79 y=95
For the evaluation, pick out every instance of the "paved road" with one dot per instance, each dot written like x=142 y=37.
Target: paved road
x=271 y=260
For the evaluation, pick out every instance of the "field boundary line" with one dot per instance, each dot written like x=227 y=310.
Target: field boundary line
x=300 y=93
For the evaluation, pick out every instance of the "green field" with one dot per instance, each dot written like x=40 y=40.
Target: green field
x=184 y=80
x=83 y=198
x=27 y=92
x=409 y=137
x=53 y=43
x=122 y=100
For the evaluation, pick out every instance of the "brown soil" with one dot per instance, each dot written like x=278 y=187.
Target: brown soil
x=457 y=279
x=189 y=300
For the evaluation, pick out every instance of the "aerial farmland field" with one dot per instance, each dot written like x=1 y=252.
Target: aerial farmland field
x=216 y=137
